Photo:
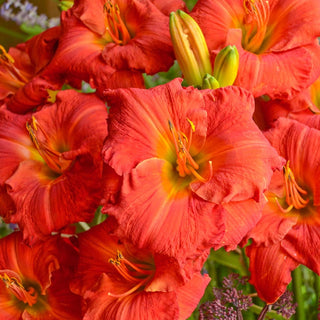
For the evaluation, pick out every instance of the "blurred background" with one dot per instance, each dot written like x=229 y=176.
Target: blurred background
x=10 y=32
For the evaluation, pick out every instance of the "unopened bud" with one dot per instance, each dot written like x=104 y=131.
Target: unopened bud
x=226 y=66
x=190 y=48
x=64 y=5
x=210 y=82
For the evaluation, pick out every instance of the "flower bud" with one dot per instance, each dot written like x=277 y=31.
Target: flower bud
x=210 y=82
x=190 y=48
x=64 y=5
x=226 y=66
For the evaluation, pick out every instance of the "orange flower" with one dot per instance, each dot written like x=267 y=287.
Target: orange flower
x=183 y=155
x=277 y=41
x=288 y=233
x=118 y=281
x=51 y=164
x=22 y=88
x=110 y=43
x=34 y=280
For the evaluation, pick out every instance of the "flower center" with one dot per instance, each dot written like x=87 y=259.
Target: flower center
x=296 y=197
x=116 y=30
x=27 y=295
x=11 y=77
x=52 y=158
x=186 y=165
x=257 y=14
x=137 y=274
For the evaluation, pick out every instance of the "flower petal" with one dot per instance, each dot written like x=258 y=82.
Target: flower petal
x=144 y=306
x=242 y=159
x=241 y=217
x=190 y=294
x=302 y=243
x=156 y=216
x=139 y=127
x=270 y=269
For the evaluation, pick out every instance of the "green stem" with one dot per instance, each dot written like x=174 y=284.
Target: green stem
x=13 y=34
x=297 y=285
x=317 y=287
x=269 y=315
x=245 y=259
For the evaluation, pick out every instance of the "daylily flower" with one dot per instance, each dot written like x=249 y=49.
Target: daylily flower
x=34 y=280
x=51 y=164
x=189 y=159
x=118 y=281
x=288 y=233
x=301 y=107
x=277 y=41
x=22 y=88
x=111 y=43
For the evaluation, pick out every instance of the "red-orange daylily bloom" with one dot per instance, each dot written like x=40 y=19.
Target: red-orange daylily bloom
x=21 y=87
x=301 y=107
x=119 y=281
x=276 y=39
x=110 y=43
x=51 y=167
x=34 y=281
x=288 y=233
x=193 y=164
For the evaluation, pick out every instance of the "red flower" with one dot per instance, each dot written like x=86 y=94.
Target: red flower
x=288 y=232
x=277 y=41
x=21 y=86
x=111 y=43
x=118 y=281
x=189 y=159
x=51 y=163
x=35 y=280
x=301 y=107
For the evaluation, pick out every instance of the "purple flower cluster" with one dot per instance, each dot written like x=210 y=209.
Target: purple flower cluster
x=229 y=300
x=26 y=12
x=285 y=305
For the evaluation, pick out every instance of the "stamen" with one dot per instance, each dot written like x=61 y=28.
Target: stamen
x=52 y=158
x=186 y=165
x=115 y=26
x=137 y=274
x=28 y=296
x=10 y=75
x=293 y=191
x=256 y=21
